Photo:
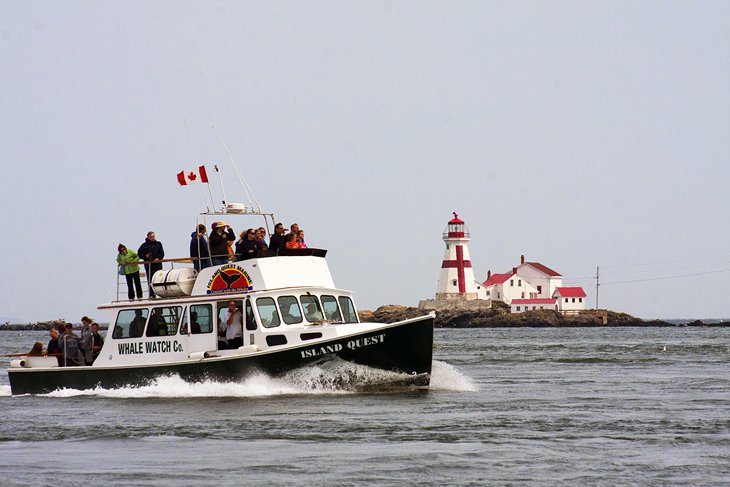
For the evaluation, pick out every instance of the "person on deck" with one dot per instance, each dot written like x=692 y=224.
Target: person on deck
x=85 y=341
x=247 y=246
x=219 y=238
x=128 y=261
x=199 y=250
x=260 y=236
x=302 y=244
x=277 y=241
x=152 y=253
x=69 y=344
x=53 y=348
x=97 y=341
x=291 y=241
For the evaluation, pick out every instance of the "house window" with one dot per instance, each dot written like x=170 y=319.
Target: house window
x=573 y=299
x=488 y=293
x=566 y=300
x=511 y=282
x=523 y=295
x=518 y=308
x=539 y=289
x=519 y=282
x=499 y=296
x=453 y=283
x=580 y=300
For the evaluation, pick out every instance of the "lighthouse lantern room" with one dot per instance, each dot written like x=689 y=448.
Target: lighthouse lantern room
x=456 y=279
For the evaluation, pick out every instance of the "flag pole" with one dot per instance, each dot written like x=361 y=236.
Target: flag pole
x=223 y=190
x=192 y=152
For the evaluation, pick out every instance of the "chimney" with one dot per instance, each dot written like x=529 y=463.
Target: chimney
x=522 y=259
x=514 y=270
x=489 y=275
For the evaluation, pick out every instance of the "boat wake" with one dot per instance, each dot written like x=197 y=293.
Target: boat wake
x=331 y=377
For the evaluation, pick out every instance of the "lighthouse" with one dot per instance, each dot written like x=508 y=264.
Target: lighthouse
x=456 y=279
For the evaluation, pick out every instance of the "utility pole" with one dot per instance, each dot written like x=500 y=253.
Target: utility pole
x=598 y=284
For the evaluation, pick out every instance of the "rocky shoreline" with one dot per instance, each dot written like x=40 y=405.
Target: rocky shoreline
x=496 y=317
x=500 y=317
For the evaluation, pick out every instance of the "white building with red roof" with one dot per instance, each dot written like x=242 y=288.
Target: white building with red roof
x=570 y=299
x=522 y=305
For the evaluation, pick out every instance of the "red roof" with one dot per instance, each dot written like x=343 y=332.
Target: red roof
x=456 y=220
x=496 y=279
x=570 y=292
x=534 y=301
x=544 y=269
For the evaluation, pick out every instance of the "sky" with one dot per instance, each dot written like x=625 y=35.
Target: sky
x=584 y=135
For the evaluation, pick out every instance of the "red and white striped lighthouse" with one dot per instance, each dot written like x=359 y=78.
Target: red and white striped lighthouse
x=456 y=280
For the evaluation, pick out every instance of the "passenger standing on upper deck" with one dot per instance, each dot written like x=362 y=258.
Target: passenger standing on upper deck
x=234 y=326
x=277 y=241
x=302 y=244
x=152 y=253
x=219 y=238
x=247 y=246
x=260 y=235
x=292 y=241
x=199 y=250
x=128 y=259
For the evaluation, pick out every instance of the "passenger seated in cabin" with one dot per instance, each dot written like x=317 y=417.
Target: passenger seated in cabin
x=54 y=348
x=136 y=328
x=247 y=246
x=234 y=326
x=37 y=349
x=194 y=325
x=157 y=325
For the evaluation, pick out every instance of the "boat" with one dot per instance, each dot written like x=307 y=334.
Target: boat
x=293 y=317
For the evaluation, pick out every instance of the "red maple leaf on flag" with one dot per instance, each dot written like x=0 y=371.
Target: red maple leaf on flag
x=192 y=176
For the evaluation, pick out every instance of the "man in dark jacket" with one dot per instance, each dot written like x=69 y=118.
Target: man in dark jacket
x=277 y=241
x=152 y=253
x=199 y=250
x=219 y=238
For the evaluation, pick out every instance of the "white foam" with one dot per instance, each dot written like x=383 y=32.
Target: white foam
x=446 y=377
x=5 y=391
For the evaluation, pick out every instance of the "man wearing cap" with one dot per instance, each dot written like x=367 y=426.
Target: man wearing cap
x=219 y=238
x=152 y=253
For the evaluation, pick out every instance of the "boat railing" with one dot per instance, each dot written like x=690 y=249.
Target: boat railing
x=190 y=262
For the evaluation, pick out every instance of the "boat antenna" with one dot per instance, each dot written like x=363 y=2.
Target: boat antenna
x=249 y=194
x=195 y=158
x=222 y=188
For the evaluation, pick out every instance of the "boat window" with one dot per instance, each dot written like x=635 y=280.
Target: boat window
x=348 y=309
x=312 y=311
x=250 y=317
x=289 y=307
x=163 y=321
x=130 y=323
x=223 y=314
x=267 y=312
x=331 y=311
x=201 y=316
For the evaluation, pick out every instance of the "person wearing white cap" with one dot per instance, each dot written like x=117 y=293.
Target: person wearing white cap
x=219 y=238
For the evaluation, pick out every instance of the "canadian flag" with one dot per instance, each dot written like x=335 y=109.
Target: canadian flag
x=193 y=176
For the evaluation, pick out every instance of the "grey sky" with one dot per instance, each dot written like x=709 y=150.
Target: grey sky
x=577 y=133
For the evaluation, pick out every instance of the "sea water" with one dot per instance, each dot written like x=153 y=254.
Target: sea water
x=523 y=406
